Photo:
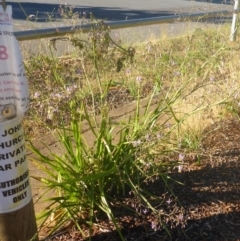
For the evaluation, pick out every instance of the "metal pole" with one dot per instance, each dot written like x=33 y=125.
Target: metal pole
x=61 y=31
x=234 y=22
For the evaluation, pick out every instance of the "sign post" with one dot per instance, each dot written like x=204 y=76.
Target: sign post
x=17 y=217
x=234 y=21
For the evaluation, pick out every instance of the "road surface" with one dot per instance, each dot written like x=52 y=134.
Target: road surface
x=46 y=11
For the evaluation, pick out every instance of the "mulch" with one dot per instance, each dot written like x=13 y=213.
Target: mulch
x=207 y=206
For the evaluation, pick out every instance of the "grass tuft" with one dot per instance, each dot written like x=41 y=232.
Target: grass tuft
x=177 y=86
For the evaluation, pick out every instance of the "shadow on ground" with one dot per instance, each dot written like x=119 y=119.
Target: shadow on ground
x=209 y=193
x=211 y=200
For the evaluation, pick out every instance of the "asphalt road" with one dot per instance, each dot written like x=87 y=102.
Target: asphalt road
x=47 y=14
x=48 y=10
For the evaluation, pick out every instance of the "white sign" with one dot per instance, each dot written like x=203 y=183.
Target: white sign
x=15 y=191
x=14 y=96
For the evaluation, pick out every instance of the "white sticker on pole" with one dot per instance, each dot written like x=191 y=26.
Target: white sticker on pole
x=15 y=191
x=14 y=95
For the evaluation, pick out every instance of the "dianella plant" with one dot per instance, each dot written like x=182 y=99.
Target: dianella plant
x=106 y=159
